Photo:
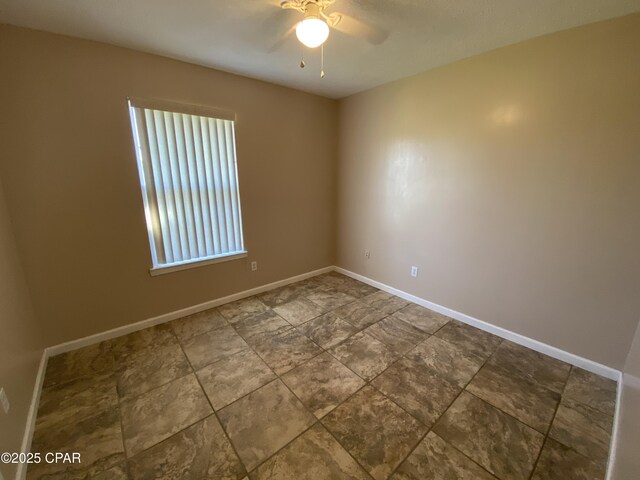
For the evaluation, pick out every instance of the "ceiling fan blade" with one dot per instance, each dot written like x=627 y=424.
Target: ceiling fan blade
x=283 y=38
x=278 y=27
x=356 y=28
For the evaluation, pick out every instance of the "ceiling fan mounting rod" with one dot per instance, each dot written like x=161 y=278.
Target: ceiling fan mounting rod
x=301 y=5
x=314 y=8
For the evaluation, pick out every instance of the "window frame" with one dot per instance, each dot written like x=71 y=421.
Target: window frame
x=155 y=237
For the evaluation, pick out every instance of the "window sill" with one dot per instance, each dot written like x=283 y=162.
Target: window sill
x=200 y=262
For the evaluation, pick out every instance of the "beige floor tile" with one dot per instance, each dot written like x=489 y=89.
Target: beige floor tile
x=584 y=429
x=151 y=367
x=270 y=389
x=233 y=377
x=91 y=360
x=498 y=442
x=359 y=314
x=518 y=396
x=213 y=346
x=417 y=389
x=286 y=350
x=364 y=355
x=201 y=452
x=242 y=309
x=451 y=362
x=197 y=324
x=282 y=295
x=76 y=400
x=298 y=311
x=558 y=462
x=122 y=347
x=396 y=334
x=98 y=440
x=435 y=459
x=264 y=421
x=256 y=328
x=547 y=371
x=378 y=433
x=591 y=389
x=354 y=288
x=315 y=455
x=329 y=299
x=385 y=302
x=322 y=383
x=156 y=415
x=422 y=318
x=328 y=330
x=471 y=339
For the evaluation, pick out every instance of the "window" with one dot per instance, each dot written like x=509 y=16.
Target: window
x=188 y=173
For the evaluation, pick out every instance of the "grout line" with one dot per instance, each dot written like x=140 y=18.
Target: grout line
x=535 y=463
x=122 y=400
x=127 y=467
x=439 y=376
x=504 y=333
x=316 y=420
x=213 y=410
x=278 y=377
x=364 y=468
x=553 y=419
x=367 y=383
x=126 y=399
x=464 y=389
x=193 y=372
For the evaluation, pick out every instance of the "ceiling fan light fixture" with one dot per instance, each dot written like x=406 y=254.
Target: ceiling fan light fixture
x=312 y=31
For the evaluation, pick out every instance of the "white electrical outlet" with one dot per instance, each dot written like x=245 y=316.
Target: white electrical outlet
x=254 y=266
x=4 y=400
x=367 y=253
x=414 y=271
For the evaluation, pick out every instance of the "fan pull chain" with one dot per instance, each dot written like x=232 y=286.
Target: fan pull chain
x=302 y=64
x=322 y=61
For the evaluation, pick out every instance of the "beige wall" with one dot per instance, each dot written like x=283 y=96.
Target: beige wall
x=20 y=341
x=626 y=461
x=72 y=184
x=511 y=180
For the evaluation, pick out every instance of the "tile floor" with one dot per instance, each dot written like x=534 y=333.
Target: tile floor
x=327 y=378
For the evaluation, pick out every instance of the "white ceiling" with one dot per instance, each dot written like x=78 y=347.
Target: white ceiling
x=236 y=35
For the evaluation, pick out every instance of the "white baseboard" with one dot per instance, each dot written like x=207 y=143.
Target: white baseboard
x=613 y=449
x=167 y=317
x=554 y=352
x=21 y=472
x=541 y=347
x=126 y=329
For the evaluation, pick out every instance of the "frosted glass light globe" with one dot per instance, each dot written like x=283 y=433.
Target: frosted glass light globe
x=312 y=32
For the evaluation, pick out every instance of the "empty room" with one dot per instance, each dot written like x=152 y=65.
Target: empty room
x=320 y=239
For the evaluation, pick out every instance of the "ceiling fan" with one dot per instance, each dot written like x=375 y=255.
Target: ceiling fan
x=314 y=28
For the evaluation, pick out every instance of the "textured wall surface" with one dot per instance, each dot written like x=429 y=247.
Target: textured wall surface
x=511 y=180
x=21 y=342
x=72 y=185
x=627 y=462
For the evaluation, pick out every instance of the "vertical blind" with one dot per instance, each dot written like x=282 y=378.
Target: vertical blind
x=189 y=179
